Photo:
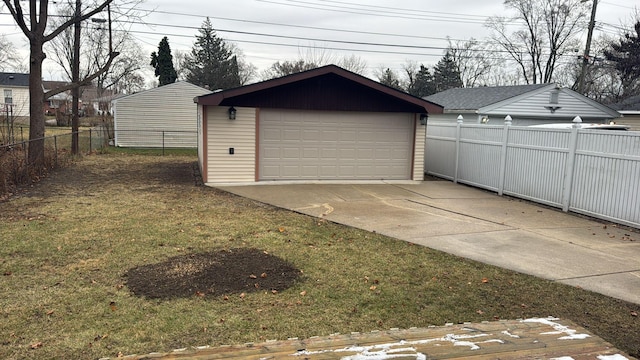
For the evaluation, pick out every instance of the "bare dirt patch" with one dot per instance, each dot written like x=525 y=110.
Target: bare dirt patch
x=224 y=272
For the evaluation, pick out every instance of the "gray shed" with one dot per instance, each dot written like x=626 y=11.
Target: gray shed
x=160 y=117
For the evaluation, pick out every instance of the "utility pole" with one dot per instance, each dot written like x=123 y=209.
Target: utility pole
x=585 y=57
x=75 y=78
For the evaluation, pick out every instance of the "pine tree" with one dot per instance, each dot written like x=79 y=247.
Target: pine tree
x=211 y=63
x=389 y=78
x=162 y=62
x=625 y=54
x=446 y=74
x=422 y=84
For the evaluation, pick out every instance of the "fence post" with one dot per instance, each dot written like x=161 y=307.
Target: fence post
x=55 y=149
x=503 y=154
x=90 y=145
x=458 y=126
x=162 y=142
x=570 y=165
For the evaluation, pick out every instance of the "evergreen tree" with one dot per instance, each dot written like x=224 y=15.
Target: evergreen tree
x=389 y=78
x=162 y=62
x=422 y=83
x=625 y=55
x=211 y=63
x=446 y=74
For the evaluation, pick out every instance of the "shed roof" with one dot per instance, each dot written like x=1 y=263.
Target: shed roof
x=326 y=88
x=160 y=89
x=14 y=79
x=476 y=98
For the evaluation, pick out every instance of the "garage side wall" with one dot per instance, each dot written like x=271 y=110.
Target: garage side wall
x=231 y=145
x=418 y=152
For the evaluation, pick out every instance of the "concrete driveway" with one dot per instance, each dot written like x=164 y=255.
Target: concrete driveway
x=475 y=224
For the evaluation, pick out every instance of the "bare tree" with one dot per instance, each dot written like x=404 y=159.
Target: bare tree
x=473 y=60
x=33 y=24
x=9 y=60
x=354 y=64
x=548 y=32
x=95 y=53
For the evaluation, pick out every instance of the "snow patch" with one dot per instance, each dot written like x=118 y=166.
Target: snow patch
x=612 y=357
x=510 y=335
x=559 y=329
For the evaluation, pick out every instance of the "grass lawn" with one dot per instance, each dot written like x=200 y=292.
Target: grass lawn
x=72 y=244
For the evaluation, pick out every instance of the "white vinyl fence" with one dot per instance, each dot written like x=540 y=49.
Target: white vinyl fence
x=592 y=172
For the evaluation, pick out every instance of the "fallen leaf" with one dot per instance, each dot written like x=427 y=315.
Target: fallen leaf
x=485 y=280
x=225 y=297
x=50 y=312
x=242 y=295
x=633 y=313
x=37 y=345
x=252 y=276
x=281 y=229
x=113 y=306
x=480 y=312
x=199 y=293
x=263 y=275
x=256 y=285
x=373 y=287
x=274 y=292
x=303 y=293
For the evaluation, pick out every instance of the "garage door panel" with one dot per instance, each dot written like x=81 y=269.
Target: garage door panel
x=333 y=145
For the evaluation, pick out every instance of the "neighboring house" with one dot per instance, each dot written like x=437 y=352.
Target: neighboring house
x=160 y=117
x=14 y=92
x=630 y=110
x=526 y=104
x=323 y=124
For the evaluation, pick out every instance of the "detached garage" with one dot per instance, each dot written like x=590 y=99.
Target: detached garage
x=160 y=117
x=322 y=124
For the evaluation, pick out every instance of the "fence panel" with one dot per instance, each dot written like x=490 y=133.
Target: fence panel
x=594 y=172
x=156 y=139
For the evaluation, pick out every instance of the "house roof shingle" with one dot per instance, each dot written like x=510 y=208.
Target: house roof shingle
x=14 y=79
x=476 y=98
x=629 y=104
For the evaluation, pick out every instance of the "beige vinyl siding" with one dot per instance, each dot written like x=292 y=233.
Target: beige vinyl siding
x=570 y=106
x=163 y=114
x=222 y=134
x=631 y=120
x=201 y=143
x=418 y=148
x=20 y=98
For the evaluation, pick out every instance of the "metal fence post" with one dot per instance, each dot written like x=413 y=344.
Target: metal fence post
x=90 y=145
x=162 y=142
x=55 y=149
x=458 y=131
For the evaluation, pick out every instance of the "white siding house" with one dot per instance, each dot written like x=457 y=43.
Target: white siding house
x=160 y=117
x=14 y=94
x=526 y=104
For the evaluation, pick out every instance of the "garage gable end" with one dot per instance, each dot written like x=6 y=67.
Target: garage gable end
x=326 y=88
x=326 y=92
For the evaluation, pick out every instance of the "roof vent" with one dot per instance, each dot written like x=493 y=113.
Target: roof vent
x=11 y=77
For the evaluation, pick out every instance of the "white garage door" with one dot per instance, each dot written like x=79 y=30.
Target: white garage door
x=309 y=145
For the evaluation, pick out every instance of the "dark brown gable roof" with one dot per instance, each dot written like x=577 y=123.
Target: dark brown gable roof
x=326 y=88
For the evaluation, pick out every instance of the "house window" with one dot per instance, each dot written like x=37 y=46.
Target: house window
x=8 y=96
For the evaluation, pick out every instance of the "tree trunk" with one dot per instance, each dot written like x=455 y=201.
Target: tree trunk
x=36 y=102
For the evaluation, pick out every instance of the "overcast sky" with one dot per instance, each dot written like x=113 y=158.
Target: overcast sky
x=275 y=30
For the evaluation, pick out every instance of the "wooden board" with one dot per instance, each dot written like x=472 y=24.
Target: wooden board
x=515 y=339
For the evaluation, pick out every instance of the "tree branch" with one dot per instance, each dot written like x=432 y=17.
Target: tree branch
x=85 y=81
x=18 y=16
x=70 y=22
